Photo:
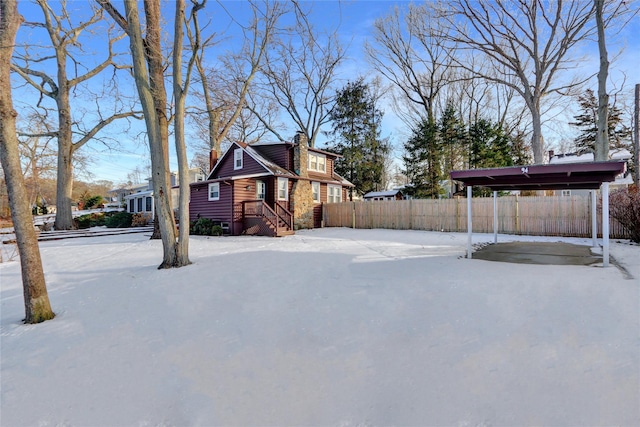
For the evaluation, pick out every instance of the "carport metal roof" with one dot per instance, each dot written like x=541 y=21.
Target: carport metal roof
x=565 y=176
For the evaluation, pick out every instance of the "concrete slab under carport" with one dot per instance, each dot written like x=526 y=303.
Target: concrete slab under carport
x=545 y=253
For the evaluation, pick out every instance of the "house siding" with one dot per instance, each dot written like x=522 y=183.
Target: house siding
x=279 y=154
x=201 y=207
x=249 y=166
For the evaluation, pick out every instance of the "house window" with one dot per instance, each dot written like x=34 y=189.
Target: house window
x=237 y=158
x=334 y=193
x=317 y=162
x=566 y=193
x=283 y=189
x=315 y=189
x=132 y=205
x=199 y=177
x=261 y=189
x=139 y=204
x=148 y=202
x=214 y=191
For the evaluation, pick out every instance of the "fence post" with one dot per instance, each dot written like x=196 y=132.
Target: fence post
x=410 y=214
x=353 y=215
x=517 y=216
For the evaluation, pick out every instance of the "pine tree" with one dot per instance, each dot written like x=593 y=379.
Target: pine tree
x=586 y=121
x=520 y=149
x=422 y=161
x=356 y=125
x=489 y=145
x=453 y=140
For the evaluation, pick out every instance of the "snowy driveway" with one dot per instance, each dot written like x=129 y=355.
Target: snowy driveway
x=334 y=327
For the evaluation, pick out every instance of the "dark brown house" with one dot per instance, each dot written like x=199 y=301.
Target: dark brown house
x=268 y=189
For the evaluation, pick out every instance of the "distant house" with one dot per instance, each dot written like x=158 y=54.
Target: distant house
x=140 y=200
x=623 y=180
x=268 y=188
x=384 y=195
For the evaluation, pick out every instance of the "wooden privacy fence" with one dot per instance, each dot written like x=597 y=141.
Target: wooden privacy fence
x=542 y=216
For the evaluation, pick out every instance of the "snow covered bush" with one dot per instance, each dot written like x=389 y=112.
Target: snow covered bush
x=624 y=206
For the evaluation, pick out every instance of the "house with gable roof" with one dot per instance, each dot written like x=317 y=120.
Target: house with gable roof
x=268 y=189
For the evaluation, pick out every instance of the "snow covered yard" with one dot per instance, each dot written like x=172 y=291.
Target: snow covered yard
x=332 y=327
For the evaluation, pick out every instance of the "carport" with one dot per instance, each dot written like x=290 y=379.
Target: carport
x=565 y=176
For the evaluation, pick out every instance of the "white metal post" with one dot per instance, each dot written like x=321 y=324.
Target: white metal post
x=495 y=217
x=469 y=221
x=605 y=224
x=594 y=219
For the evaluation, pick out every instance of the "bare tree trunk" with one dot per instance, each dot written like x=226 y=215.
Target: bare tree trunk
x=146 y=51
x=602 y=135
x=36 y=299
x=636 y=135
x=180 y=94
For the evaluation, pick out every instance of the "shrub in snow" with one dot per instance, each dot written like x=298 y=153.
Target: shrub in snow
x=139 y=220
x=119 y=220
x=205 y=227
x=624 y=206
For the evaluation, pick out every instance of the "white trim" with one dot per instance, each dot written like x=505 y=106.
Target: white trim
x=331 y=196
x=315 y=184
x=237 y=158
x=209 y=187
x=286 y=188
x=317 y=156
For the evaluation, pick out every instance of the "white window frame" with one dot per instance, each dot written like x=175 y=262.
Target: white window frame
x=314 y=162
x=237 y=159
x=261 y=183
x=283 y=188
x=334 y=194
x=566 y=193
x=211 y=186
x=315 y=191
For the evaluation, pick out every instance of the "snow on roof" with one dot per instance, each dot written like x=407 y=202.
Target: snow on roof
x=382 y=193
x=614 y=154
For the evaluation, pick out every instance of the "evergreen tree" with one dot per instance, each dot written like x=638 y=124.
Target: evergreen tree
x=356 y=125
x=520 y=149
x=587 y=122
x=453 y=139
x=422 y=160
x=489 y=145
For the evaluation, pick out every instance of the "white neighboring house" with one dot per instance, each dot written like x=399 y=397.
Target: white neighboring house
x=623 y=180
x=141 y=201
x=384 y=195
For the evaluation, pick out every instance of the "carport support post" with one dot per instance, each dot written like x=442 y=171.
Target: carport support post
x=469 y=220
x=594 y=219
x=605 y=224
x=495 y=217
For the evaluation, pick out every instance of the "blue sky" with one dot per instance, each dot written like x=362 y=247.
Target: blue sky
x=354 y=20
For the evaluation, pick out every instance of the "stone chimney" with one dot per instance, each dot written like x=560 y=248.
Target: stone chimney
x=551 y=153
x=301 y=154
x=301 y=197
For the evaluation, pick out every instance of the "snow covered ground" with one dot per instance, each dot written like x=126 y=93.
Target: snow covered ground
x=334 y=327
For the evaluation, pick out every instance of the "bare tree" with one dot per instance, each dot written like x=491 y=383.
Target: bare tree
x=531 y=40
x=71 y=133
x=36 y=298
x=225 y=88
x=410 y=53
x=602 y=137
x=148 y=70
x=300 y=76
